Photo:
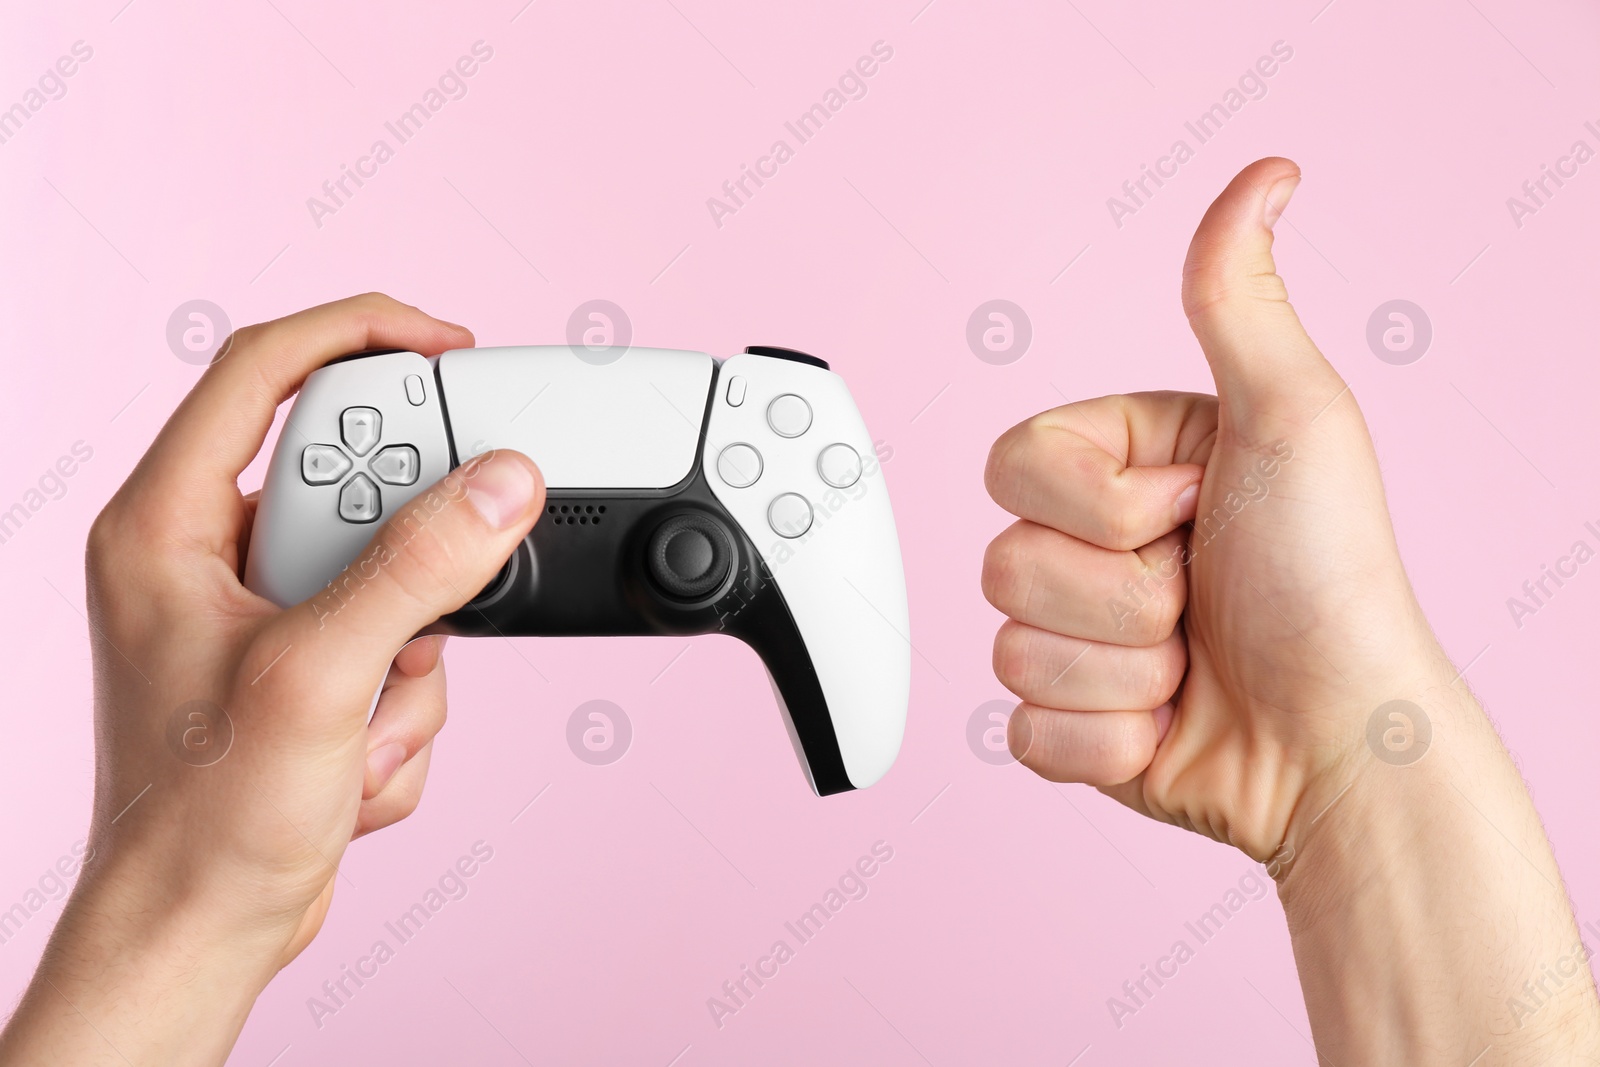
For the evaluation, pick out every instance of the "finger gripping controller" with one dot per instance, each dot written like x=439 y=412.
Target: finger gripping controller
x=685 y=495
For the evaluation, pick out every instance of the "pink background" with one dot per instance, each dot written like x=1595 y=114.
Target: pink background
x=177 y=167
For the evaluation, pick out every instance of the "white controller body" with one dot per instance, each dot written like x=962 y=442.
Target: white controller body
x=685 y=495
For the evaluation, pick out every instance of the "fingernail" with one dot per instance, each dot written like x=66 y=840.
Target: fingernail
x=1184 y=509
x=500 y=492
x=434 y=647
x=382 y=762
x=1278 y=199
x=455 y=326
x=1019 y=734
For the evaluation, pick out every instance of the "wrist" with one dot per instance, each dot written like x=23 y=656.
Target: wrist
x=1369 y=802
x=148 y=905
x=1400 y=876
x=125 y=978
x=1388 y=730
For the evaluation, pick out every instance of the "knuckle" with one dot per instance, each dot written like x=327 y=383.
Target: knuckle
x=103 y=540
x=404 y=805
x=1013 y=472
x=1125 y=753
x=1112 y=526
x=1164 y=620
x=1157 y=608
x=242 y=337
x=430 y=720
x=1011 y=656
x=1218 y=292
x=238 y=342
x=1005 y=574
x=1110 y=519
x=1169 y=609
x=992 y=576
x=1115 y=513
x=1149 y=680
x=1266 y=285
x=1205 y=284
x=1006 y=466
x=125 y=538
x=375 y=307
x=1148 y=627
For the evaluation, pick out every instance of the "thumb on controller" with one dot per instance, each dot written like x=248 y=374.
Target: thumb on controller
x=430 y=557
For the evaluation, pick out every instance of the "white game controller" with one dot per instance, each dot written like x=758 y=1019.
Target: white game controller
x=685 y=495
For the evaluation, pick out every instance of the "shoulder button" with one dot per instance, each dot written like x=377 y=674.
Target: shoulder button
x=785 y=353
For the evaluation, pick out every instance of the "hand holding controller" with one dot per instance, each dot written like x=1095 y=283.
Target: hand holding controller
x=684 y=496
x=237 y=747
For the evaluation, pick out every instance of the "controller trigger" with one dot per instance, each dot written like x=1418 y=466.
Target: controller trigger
x=790 y=354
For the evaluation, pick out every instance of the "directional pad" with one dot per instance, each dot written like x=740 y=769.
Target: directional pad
x=360 y=428
x=359 y=500
x=323 y=464
x=396 y=465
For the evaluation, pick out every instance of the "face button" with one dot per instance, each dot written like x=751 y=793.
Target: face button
x=360 y=428
x=359 y=500
x=739 y=465
x=689 y=556
x=323 y=464
x=789 y=416
x=789 y=515
x=414 y=390
x=736 y=387
x=840 y=466
x=399 y=465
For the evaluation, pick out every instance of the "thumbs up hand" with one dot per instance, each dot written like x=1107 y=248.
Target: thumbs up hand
x=1205 y=599
x=1208 y=620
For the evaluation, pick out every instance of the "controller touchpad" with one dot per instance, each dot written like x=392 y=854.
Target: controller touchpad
x=622 y=419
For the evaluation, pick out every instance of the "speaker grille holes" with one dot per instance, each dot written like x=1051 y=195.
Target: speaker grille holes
x=576 y=514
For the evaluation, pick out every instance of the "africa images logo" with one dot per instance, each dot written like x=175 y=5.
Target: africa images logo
x=850 y=886
x=851 y=85
x=450 y=85
x=1251 y=85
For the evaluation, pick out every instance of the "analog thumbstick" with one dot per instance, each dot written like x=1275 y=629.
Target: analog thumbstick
x=690 y=555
